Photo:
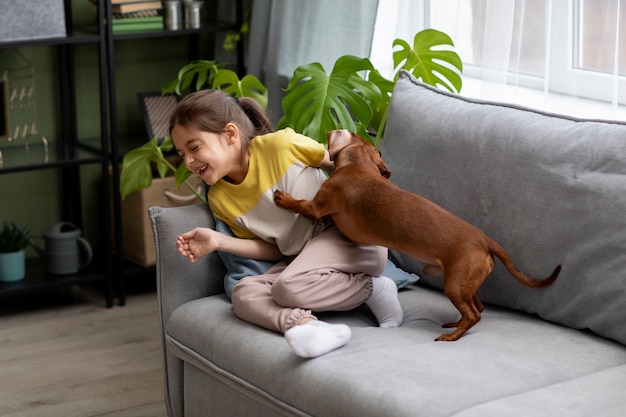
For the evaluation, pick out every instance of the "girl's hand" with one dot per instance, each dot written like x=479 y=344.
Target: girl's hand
x=197 y=243
x=201 y=241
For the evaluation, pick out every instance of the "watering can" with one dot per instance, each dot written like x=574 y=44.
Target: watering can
x=66 y=252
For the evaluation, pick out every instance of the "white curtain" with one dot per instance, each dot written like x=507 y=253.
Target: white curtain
x=563 y=56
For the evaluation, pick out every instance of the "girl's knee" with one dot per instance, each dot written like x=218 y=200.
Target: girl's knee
x=375 y=261
x=281 y=293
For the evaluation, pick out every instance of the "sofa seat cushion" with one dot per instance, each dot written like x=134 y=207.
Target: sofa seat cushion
x=402 y=371
x=550 y=189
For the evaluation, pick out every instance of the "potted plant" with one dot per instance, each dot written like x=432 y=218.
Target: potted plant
x=13 y=242
x=354 y=96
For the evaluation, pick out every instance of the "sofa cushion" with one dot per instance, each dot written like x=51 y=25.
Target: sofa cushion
x=550 y=189
x=400 y=371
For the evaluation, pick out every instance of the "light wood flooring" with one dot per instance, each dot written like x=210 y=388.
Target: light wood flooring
x=76 y=358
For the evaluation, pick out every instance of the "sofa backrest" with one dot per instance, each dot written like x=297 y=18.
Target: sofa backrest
x=550 y=189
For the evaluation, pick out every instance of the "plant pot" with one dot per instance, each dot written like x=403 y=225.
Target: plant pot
x=12 y=266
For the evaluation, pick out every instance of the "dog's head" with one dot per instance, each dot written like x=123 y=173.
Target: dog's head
x=347 y=148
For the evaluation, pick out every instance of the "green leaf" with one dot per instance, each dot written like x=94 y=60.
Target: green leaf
x=198 y=73
x=317 y=102
x=248 y=86
x=379 y=120
x=431 y=59
x=181 y=174
x=136 y=169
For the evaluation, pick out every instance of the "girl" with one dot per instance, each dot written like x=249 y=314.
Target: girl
x=232 y=146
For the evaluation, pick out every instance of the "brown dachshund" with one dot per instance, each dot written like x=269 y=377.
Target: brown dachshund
x=369 y=209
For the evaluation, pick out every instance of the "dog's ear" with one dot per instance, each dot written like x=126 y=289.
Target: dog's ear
x=337 y=140
x=382 y=166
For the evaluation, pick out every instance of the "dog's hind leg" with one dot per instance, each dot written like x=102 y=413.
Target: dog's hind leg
x=468 y=314
x=461 y=284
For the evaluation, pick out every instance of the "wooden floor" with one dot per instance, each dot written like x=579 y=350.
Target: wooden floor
x=75 y=357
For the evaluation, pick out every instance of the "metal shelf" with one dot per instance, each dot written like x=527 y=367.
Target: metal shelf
x=67 y=154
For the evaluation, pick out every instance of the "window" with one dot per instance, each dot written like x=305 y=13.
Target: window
x=574 y=48
x=588 y=60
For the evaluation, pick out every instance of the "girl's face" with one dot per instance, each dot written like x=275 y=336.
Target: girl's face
x=212 y=156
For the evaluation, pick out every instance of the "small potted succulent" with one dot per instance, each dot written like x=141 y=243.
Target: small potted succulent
x=13 y=242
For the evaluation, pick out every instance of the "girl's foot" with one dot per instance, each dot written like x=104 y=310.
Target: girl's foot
x=316 y=338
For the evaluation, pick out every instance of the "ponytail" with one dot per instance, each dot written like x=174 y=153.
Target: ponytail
x=257 y=116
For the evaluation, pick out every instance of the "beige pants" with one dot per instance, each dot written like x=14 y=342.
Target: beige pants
x=330 y=274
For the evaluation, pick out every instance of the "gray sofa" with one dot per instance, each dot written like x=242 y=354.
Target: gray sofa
x=550 y=189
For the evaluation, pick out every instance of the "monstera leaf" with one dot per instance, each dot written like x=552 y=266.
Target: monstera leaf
x=317 y=102
x=379 y=120
x=248 y=86
x=200 y=71
x=431 y=59
x=201 y=74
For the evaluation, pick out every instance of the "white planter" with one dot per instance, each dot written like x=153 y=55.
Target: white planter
x=12 y=266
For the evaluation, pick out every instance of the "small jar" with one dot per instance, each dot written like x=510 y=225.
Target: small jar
x=173 y=14
x=192 y=14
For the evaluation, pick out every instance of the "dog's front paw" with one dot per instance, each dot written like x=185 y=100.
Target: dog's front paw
x=282 y=199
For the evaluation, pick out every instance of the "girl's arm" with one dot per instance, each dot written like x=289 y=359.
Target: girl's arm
x=201 y=241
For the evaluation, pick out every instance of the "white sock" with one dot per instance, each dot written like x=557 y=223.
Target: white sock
x=384 y=302
x=316 y=338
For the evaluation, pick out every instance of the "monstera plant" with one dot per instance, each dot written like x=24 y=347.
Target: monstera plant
x=317 y=102
x=354 y=96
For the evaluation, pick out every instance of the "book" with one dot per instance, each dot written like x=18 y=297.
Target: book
x=138 y=20
x=140 y=13
x=137 y=24
x=136 y=6
x=119 y=7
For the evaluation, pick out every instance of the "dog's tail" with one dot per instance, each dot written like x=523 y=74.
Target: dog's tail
x=498 y=251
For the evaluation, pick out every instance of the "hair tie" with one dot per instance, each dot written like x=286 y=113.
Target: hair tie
x=237 y=100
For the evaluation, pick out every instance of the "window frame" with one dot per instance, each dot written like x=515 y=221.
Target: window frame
x=562 y=75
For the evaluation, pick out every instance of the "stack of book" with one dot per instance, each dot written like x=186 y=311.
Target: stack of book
x=136 y=15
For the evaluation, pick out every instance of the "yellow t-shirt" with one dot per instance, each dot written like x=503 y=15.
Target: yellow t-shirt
x=283 y=160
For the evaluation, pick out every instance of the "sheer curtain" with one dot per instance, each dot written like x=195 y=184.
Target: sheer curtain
x=563 y=56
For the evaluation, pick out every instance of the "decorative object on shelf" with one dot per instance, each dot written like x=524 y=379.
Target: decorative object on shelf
x=32 y=19
x=173 y=11
x=66 y=251
x=192 y=14
x=13 y=242
x=18 y=111
x=157 y=109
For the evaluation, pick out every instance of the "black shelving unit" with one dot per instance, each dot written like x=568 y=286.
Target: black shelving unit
x=68 y=154
x=123 y=269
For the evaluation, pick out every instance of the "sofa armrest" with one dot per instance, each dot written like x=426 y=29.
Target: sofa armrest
x=178 y=280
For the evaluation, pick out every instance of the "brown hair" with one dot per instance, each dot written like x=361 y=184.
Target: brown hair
x=211 y=110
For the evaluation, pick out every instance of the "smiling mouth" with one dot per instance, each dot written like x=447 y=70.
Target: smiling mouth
x=201 y=170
